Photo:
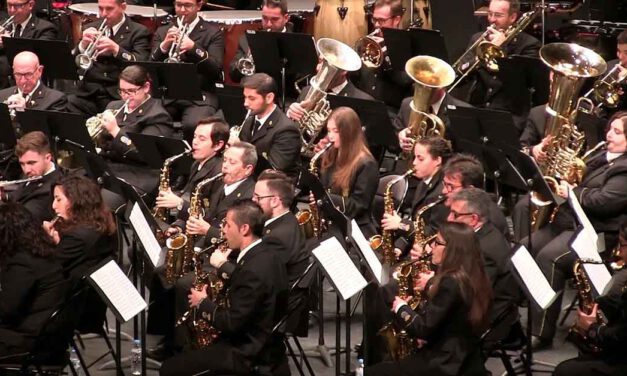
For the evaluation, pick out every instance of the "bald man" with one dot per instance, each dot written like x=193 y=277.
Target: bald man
x=30 y=92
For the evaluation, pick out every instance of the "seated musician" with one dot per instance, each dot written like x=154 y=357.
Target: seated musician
x=256 y=293
x=210 y=139
x=202 y=45
x=121 y=41
x=276 y=137
x=32 y=283
x=445 y=332
x=610 y=336
x=35 y=157
x=24 y=25
x=619 y=63
x=602 y=194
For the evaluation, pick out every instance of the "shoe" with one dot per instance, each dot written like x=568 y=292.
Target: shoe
x=539 y=343
x=160 y=352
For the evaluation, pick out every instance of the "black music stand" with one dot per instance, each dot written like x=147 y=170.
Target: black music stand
x=402 y=45
x=456 y=26
x=481 y=125
x=278 y=54
x=173 y=80
x=8 y=134
x=154 y=150
x=231 y=102
x=537 y=77
x=54 y=55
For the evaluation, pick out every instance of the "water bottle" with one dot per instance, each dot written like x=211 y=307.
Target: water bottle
x=136 y=358
x=76 y=363
x=359 y=371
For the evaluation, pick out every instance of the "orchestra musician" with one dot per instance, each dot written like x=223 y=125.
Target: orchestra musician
x=610 y=336
x=447 y=328
x=202 y=45
x=621 y=62
x=35 y=158
x=256 y=292
x=603 y=197
x=122 y=41
x=32 y=282
x=275 y=136
x=24 y=25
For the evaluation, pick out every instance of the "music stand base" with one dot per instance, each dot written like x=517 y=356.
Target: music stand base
x=111 y=334
x=519 y=369
x=322 y=352
x=126 y=363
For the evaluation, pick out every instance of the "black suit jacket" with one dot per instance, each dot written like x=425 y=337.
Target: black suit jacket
x=44 y=98
x=350 y=90
x=257 y=296
x=32 y=287
x=283 y=235
x=534 y=127
x=278 y=141
x=387 y=85
x=402 y=119
x=37 y=196
x=211 y=168
x=134 y=42
x=38 y=28
x=81 y=249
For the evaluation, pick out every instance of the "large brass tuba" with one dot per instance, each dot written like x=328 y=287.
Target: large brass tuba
x=429 y=74
x=586 y=304
x=571 y=65
x=336 y=58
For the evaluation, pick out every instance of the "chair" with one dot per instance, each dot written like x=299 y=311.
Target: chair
x=509 y=347
x=399 y=190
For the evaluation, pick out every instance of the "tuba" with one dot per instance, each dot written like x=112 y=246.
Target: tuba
x=336 y=58
x=161 y=214
x=95 y=125
x=87 y=58
x=180 y=251
x=607 y=91
x=429 y=74
x=174 y=54
x=371 y=49
x=309 y=219
x=586 y=304
x=571 y=64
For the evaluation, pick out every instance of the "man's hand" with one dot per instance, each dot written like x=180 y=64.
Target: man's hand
x=197 y=226
x=296 y=111
x=585 y=321
x=167 y=199
x=16 y=101
x=106 y=46
x=88 y=36
x=218 y=258
x=422 y=280
x=563 y=188
x=405 y=142
x=391 y=222
x=495 y=36
x=187 y=45
x=110 y=123
x=170 y=37
x=538 y=152
x=196 y=297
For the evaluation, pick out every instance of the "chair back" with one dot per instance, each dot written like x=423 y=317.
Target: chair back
x=399 y=190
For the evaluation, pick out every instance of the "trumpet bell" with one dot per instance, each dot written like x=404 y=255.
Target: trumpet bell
x=83 y=61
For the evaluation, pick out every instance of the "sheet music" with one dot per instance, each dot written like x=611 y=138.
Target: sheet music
x=537 y=284
x=347 y=279
x=598 y=275
x=145 y=234
x=582 y=217
x=585 y=246
x=364 y=247
x=119 y=290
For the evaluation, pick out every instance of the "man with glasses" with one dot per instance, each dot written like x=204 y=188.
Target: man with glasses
x=122 y=41
x=203 y=46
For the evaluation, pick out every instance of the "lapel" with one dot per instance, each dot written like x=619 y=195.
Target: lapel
x=199 y=30
x=601 y=169
x=123 y=32
x=424 y=190
x=270 y=122
x=37 y=96
x=29 y=28
x=347 y=90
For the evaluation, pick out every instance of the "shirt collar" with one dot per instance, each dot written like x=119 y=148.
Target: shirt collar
x=117 y=26
x=337 y=89
x=26 y=21
x=275 y=218
x=611 y=156
x=192 y=24
x=262 y=120
x=228 y=189
x=245 y=250
x=436 y=106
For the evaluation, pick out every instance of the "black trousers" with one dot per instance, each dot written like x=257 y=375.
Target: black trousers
x=586 y=365
x=190 y=113
x=218 y=359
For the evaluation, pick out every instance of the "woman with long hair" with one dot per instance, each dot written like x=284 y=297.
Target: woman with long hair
x=31 y=279
x=447 y=328
x=347 y=170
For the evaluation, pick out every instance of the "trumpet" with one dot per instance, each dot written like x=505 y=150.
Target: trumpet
x=174 y=55
x=87 y=58
x=235 y=131
x=13 y=111
x=246 y=65
x=607 y=91
x=95 y=124
x=6 y=24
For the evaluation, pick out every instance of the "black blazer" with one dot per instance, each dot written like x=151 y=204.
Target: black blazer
x=211 y=168
x=284 y=236
x=81 y=249
x=37 y=196
x=401 y=121
x=350 y=90
x=134 y=42
x=257 y=296
x=451 y=346
x=534 y=127
x=38 y=28
x=32 y=287
x=44 y=98
x=387 y=85
x=278 y=141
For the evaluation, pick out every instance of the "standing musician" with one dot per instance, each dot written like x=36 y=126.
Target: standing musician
x=35 y=157
x=603 y=197
x=202 y=45
x=24 y=25
x=446 y=329
x=256 y=295
x=275 y=136
x=122 y=41
x=610 y=336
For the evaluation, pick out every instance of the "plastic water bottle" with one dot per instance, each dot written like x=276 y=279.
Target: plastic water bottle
x=136 y=358
x=359 y=371
x=76 y=363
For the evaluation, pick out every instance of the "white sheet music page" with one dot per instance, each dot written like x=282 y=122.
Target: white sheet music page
x=534 y=279
x=119 y=290
x=585 y=246
x=582 y=217
x=145 y=234
x=339 y=267
x=364 y=246
x=598 y=275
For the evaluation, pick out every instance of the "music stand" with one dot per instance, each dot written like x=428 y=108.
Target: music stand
x=154 y=150
x=230 y=101
x=537 y=77
x=54 y=55
x=280 y=53
x=456 y=26
x=173 y=80
x=8 y=134
x=482 y=125
x=402 y=45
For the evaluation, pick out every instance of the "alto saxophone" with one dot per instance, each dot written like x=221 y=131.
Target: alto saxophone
x=164 y=185
x=586 y=304
x=309 y=219
x=179 y=256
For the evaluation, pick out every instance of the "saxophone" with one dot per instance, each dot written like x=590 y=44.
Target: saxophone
x=586 y=304
x=179 y=257
x=309 y=219
x=162 y=214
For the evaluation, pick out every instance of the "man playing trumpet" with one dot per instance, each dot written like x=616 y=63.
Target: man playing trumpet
x=202 y=44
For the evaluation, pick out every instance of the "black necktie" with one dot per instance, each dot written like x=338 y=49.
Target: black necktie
x=18 y=31
x=255 y=128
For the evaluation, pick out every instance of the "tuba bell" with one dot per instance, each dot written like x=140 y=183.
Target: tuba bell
x=371 y=49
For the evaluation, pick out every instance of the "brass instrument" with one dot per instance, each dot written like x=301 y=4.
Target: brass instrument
x=607 y=90
x=95 y=124
x=6 y=183
x=336 y=58
x=13 y=111
x=309 y=219
x=6 y=24
x=571 y=65
x=179 y=255
x=174 y=54
x=586 y=304
x=246 y=65
x=161 y=214
x=87 y=58
x=385 y=241
x=235 y=131
x=485 y=53
x=617 y=263
x=372 y=50
x=430 y=74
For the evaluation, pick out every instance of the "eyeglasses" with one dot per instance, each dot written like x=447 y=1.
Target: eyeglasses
x=17 y=5
x=497 y=15
x=379 y=20
x=27 y=76
x=129 y=91
x=186 y=6
x=257 y=197
x=437 y=241
x=457 y=215
x=450 y=187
